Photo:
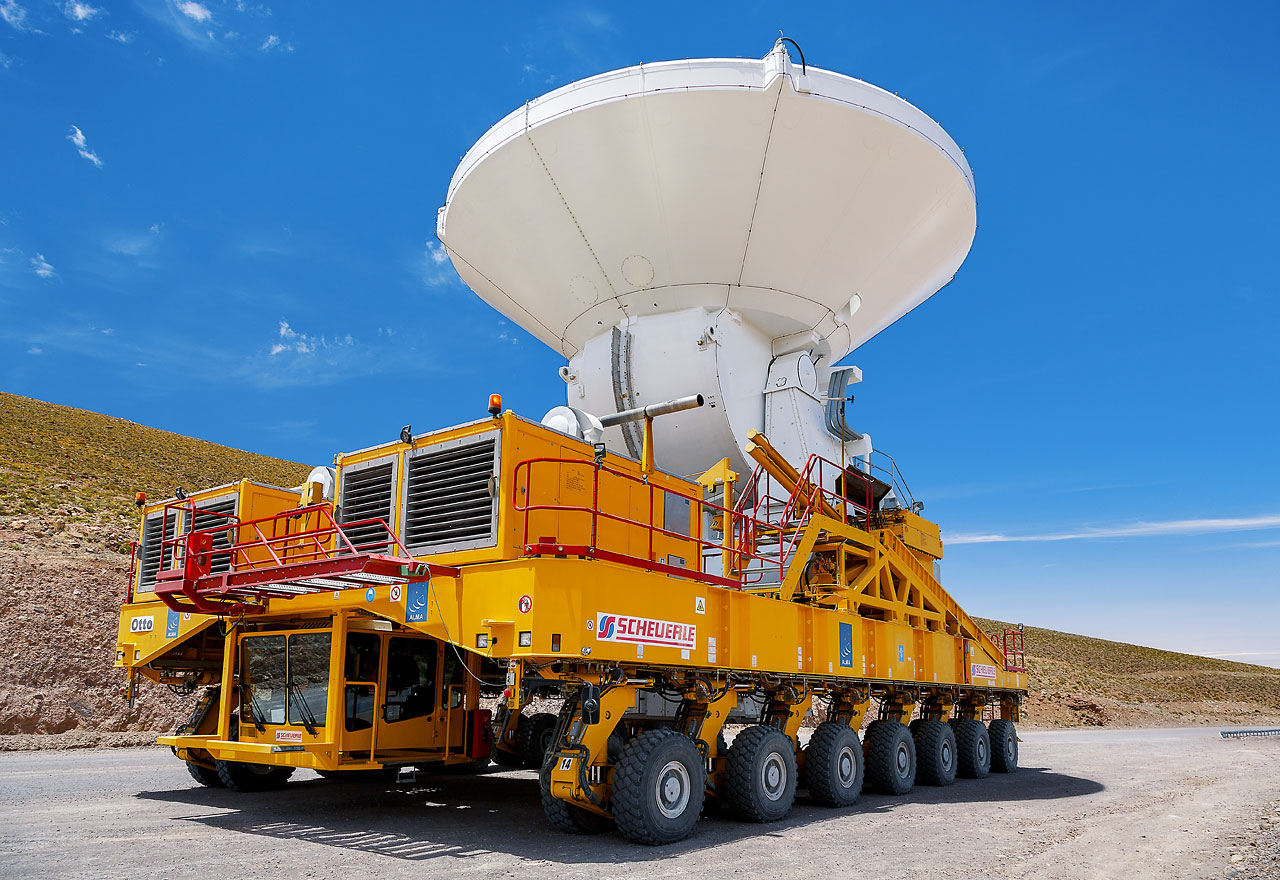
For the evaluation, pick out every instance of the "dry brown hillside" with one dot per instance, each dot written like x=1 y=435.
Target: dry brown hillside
x=67 y=479
x=1078 y=680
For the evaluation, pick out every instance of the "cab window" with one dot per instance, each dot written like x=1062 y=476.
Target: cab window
x=309 y=678
x=362 y=678
x=411 y=666
x=451 y=696
x=265 y=679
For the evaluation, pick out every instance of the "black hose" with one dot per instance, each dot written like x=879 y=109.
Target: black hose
x=803 y=69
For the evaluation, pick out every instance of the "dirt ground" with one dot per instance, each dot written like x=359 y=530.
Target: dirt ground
x=1086 y=803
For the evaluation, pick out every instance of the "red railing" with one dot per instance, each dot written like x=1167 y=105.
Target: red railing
x=758 y=513
x=1012 y=646
x=739 y=554
x=822 y=483
x=275 y=540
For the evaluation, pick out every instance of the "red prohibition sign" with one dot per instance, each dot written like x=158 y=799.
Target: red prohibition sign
x=526 y=603
x=395 y=592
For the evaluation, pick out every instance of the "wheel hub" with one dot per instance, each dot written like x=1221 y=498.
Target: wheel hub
x=673 y=789
x=903 y=760
x=773 y=777
x=846 y=765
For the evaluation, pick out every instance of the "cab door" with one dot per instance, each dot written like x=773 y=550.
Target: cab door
x=360 y=690
x=412 y=715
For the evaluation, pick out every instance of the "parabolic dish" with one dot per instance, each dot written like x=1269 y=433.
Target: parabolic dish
x=805 y=201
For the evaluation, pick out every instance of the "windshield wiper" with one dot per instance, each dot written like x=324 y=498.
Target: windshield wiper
x=255 y=711
x=308 y=717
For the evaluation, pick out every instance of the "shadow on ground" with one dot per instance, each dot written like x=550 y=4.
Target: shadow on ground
x=460 y=816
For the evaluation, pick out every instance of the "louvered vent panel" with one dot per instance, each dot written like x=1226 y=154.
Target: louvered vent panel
x=366 y=494
x=206 y=518
x=150 y=561
x=447 y=497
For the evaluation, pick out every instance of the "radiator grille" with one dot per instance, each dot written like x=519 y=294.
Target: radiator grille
x=150 y=561
x=205 y=517
x=449 y=504
x=366 y=494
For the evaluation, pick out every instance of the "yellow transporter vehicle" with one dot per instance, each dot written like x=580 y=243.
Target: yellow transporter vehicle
x=658 y=607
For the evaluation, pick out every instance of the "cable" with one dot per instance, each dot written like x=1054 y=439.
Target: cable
x=432 y=593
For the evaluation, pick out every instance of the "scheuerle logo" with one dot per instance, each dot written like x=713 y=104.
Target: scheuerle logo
x=645 y=631
x=142 y=624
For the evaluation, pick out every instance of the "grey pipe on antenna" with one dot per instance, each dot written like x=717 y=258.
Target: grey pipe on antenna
x=680 y=404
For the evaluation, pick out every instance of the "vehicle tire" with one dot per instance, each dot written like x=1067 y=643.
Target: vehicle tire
x=533 y=737
x=935 y=743
x=890 y=758
x=973 y=749
x=564 y=816
x=760 y=777
x=239 y=776
x=658 y=788
x=1004 y=746
x=203 y=775
x=866 y=734
x=833 y=765
x=504 y=758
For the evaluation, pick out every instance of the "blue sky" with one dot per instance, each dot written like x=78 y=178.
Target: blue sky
x=218 y=219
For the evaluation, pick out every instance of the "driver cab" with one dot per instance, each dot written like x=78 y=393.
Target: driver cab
x=399 y=696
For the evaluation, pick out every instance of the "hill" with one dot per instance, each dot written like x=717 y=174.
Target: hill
x=67 y=479
x=56 y=456
x=67 y=482
x=1079 y=680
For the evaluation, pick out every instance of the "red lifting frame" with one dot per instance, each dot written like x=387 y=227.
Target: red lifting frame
x=275 y=561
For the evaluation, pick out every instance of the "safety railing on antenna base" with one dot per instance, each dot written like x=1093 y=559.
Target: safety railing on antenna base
x=822 y=487
x=740 y=554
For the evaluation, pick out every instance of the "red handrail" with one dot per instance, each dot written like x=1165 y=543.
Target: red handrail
x=324 y=541
x=735 y=523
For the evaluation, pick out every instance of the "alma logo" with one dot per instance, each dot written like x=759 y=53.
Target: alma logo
x=645 y=631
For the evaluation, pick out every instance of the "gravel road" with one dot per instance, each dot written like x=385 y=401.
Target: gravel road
x=1099 y=803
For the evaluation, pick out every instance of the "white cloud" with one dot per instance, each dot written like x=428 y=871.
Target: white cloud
x=154 y=228
x=82 y=146
x=434 y=267
x=120 y=37
x=6 y=61
x=1136 y=530
x=13 y=14
x=271 y=42
x=77 y=11
x=41 y=267
x=302 y=343
x=194 y=11
x=35 y=349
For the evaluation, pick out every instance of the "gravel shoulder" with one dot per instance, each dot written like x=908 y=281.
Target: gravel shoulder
x=1086 y=803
